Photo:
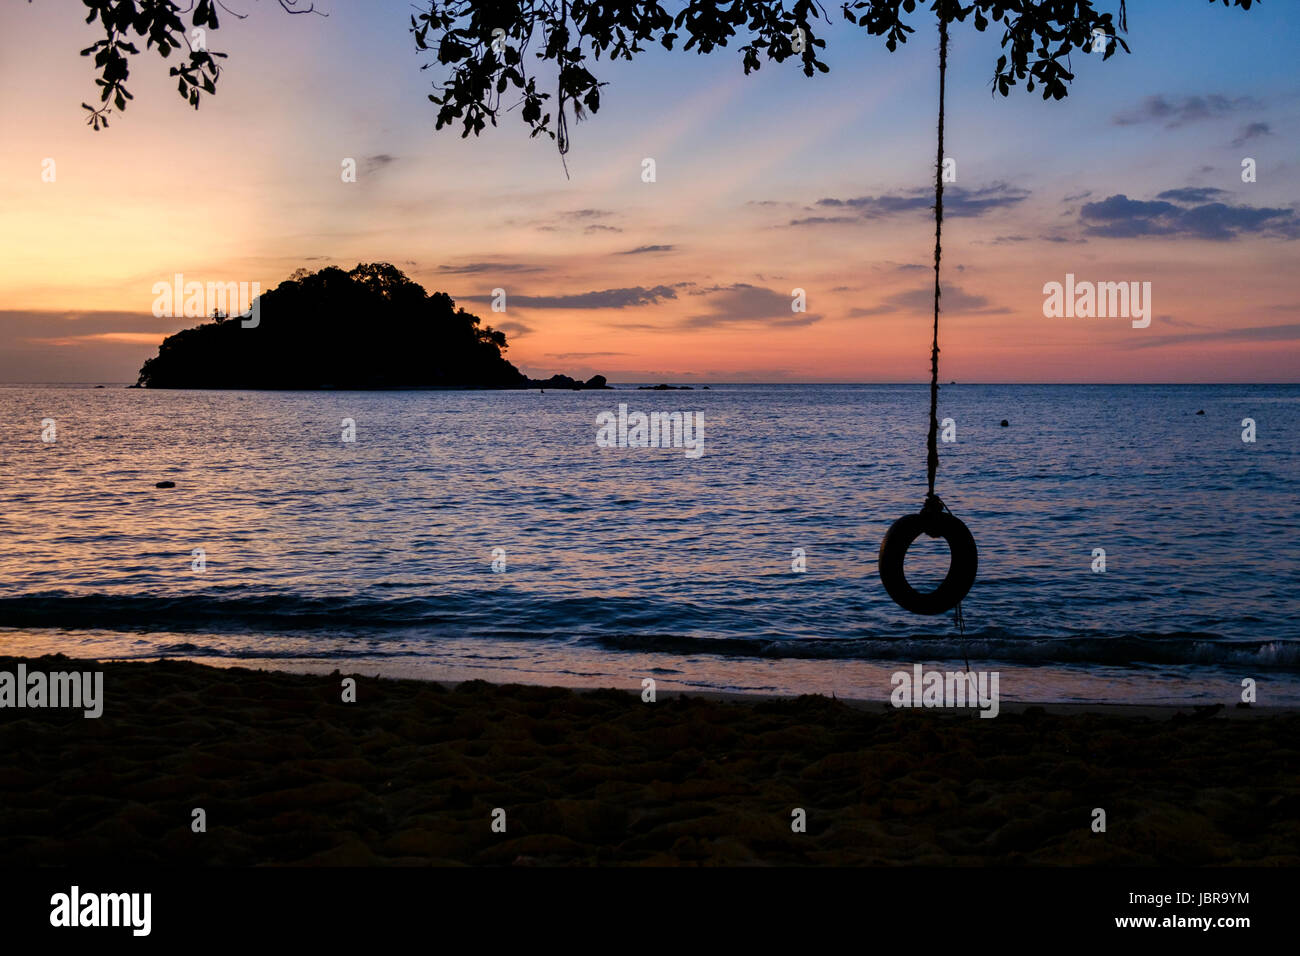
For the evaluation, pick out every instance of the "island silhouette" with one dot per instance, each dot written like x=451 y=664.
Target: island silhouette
x=370 y=328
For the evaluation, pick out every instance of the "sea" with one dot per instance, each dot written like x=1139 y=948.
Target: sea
x=1137 y=544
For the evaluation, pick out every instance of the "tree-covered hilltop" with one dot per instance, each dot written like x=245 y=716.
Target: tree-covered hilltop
x=368 y=328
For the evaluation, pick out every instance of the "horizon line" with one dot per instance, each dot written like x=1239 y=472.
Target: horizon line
x=467 y=388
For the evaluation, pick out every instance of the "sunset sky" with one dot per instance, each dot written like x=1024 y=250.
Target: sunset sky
x=765 y=184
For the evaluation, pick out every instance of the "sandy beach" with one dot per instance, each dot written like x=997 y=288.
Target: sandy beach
x=410 y=774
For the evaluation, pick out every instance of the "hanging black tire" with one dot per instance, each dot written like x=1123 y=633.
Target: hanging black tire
x=961 y=572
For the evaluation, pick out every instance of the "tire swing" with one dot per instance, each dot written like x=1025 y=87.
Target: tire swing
x=934 y=518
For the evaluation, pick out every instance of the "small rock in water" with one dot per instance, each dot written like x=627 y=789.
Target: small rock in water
x=165 y=484
x=1201 y=412
x=1005 y=423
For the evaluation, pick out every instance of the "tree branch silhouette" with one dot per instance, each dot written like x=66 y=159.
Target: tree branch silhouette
x=483 y=44
x=159 y=23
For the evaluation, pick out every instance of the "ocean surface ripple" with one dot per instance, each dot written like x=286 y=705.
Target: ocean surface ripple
x=622 y=562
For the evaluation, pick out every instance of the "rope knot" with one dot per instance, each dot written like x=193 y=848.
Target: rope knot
x=931 y=512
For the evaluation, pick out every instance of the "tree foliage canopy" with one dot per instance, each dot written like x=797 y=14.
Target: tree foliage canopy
x=484 y=44
x=159 y=23
x=489 y=48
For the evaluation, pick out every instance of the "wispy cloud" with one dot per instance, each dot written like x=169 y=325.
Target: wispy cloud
x=117 y=338
x=1178 y=323
x=603 y=299
x=48 y=346
x=958 y=202
x=580 y=356
x=373 y=164
x=1257 y=333
x=824 y=220
x=643 y=249
x=1118 y=217
x=1192 y=194
x=481 y=268
x=953 y=299
x=1252 y=131
x=511 y=327
x=587 y=221
x=744 y=303
x=1177 y=112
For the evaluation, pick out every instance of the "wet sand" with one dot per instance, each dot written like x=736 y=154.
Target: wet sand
x=410 y=774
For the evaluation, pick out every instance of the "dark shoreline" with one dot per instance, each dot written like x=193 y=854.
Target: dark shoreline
x=410 y=774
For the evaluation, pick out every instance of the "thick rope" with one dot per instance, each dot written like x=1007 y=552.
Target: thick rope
x=932 y=442
x=932 y=459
